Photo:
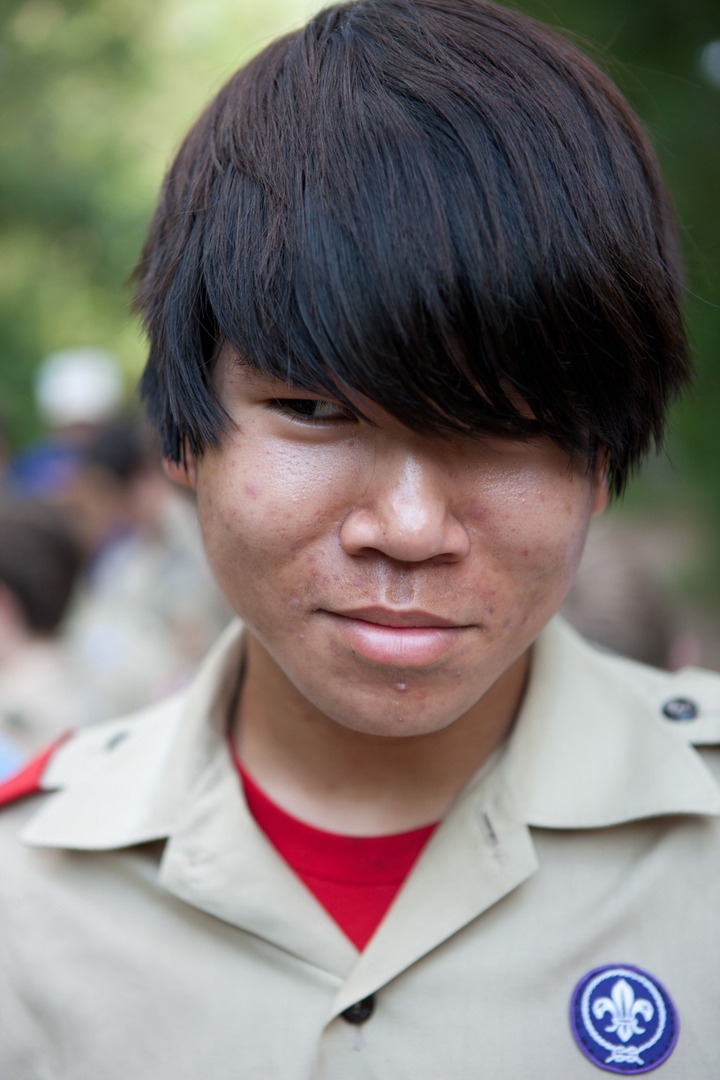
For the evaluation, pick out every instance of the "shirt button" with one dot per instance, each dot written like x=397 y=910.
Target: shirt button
x=360 y=1011
x=680 y=709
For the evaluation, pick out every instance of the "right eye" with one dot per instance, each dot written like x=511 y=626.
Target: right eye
x=312 y=410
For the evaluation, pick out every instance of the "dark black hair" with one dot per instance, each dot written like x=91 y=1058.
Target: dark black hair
x=439 y=204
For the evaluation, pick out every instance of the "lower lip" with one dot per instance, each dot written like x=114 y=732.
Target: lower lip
x=400 y=646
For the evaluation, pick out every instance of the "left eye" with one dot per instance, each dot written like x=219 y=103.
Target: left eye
x=312 y=409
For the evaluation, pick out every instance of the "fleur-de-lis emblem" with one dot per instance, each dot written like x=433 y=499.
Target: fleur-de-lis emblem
x=623 y=1019
x=624 y=1009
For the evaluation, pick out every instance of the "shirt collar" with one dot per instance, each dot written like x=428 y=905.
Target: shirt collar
x=591 y=747
x=131 y=780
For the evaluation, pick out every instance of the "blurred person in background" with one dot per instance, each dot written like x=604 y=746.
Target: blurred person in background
x=621 y=599
x=41 y=693
x=76 y=391
x=147 y=608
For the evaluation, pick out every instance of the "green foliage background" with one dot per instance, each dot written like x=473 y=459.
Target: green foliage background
x=97 y=93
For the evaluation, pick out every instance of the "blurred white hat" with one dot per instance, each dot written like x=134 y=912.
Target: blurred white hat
x=76 y=386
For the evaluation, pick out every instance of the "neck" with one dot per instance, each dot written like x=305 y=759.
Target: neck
x=350 y=782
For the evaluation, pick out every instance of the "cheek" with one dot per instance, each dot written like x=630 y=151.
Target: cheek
x=264 y=521
x=243 y=524
x=535 y=524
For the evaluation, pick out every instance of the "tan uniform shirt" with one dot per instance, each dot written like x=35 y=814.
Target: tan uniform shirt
x=148 y=930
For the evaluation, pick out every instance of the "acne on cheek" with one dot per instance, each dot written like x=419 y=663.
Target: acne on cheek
x=312 y=574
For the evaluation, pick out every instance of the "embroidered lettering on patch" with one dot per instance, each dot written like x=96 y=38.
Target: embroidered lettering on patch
x=623 y=1019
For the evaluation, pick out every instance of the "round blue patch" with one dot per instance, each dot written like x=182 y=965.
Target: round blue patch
x=623 y=1019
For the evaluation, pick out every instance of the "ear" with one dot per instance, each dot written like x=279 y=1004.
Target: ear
x=181 y=472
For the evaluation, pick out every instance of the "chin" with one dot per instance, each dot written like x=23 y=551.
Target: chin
x=383 y=721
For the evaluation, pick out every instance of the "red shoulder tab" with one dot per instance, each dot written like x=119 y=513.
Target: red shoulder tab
x=27 y=780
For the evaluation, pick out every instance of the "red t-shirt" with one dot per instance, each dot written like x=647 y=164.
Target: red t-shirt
x=355 y=878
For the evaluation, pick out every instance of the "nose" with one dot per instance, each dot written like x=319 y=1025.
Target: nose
x=406 y=512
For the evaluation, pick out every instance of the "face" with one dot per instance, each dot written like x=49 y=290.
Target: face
x=387 y=580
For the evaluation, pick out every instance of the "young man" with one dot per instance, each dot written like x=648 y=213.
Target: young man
x=412 y=293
